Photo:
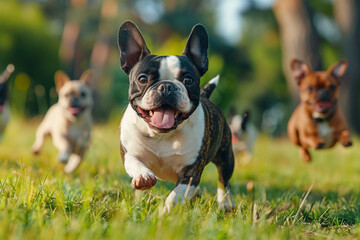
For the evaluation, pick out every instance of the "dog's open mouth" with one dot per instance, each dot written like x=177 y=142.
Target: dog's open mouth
x=165 y=117
x=323 y=106
x=76 y=110
x=1 y=108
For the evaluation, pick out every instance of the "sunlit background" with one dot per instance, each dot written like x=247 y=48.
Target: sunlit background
x=249 y=48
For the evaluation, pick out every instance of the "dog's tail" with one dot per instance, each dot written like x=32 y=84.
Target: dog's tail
x=7 y=73
x=209 y=87
x=245 y=120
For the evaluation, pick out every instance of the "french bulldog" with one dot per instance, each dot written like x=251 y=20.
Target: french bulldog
x=318 y=122
x=4 y=108
x=170 y=130
x=69 y=121
x=244 y=134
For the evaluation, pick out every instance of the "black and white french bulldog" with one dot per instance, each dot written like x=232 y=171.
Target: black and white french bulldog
x=4 y=108
x=170 y=130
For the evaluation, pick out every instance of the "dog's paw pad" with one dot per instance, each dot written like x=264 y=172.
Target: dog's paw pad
x=143 y=182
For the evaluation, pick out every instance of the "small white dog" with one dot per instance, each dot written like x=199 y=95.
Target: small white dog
x=4 y=108
x=68 y=121
x=244 y=134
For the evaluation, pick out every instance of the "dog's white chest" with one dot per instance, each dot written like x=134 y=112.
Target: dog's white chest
x=165 y=154
x=325 y=133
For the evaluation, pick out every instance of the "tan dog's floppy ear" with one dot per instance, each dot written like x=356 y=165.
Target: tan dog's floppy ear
x=87 y=77
x=60 y=79
x=338 y=69
x=300 y=69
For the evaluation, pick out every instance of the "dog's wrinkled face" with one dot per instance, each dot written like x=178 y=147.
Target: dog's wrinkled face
x=319 y=90
x=75 y=97
x=164 y=90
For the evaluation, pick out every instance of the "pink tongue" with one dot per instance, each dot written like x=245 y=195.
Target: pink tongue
x=163 y=118
x=323 y=105
x=1 y=108
x=74 y=110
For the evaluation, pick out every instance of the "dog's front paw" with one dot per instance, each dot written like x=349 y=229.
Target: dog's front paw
x=144 y=181
x=35 y=150
x=347 y=143
x=319 y=144
x=63 y=157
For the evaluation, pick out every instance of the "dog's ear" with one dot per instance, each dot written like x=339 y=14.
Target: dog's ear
x=338 y=69
x=300 y=69
x=132 y=46
x=87 y=77
x=60 y=79
x=196 y=48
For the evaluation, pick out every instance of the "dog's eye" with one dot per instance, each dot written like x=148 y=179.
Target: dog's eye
x=332 y=87
x=83 y=94
x=310 y=89
x=143 y=79
x=188 y=81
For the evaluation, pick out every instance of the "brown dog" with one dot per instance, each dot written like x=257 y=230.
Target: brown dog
x=318 y=121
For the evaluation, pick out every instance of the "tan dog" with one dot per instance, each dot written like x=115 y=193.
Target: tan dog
x=69 y=121
x=318 y=121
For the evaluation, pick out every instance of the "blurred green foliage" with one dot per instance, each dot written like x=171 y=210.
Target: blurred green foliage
x=26 y=41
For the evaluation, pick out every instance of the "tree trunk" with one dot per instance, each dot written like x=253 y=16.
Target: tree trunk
x=298 y=36
x=347 y=14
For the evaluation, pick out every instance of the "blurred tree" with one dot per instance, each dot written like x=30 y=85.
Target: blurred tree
x=26 y=41
x=264 y=86
x=347 y=13
x=299 y=37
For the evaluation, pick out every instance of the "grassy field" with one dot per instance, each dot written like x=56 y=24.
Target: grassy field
x=38 y=201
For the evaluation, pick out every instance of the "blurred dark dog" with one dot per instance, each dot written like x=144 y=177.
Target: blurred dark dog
x=318 y=121
x=244 y=134
x=4 y=108
x=69 y=121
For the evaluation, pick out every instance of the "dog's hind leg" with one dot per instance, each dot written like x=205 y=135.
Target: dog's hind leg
x=225 y=165
x=75 y=159
x=73 y=163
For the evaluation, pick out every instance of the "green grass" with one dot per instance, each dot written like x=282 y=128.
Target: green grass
x=39 y=201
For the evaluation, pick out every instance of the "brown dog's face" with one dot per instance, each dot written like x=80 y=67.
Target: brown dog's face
x=319 y=90
x=75 y=97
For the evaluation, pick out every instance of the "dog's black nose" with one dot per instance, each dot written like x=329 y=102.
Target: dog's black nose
x=74 y=102
x=323 y=95
x=166 y=88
